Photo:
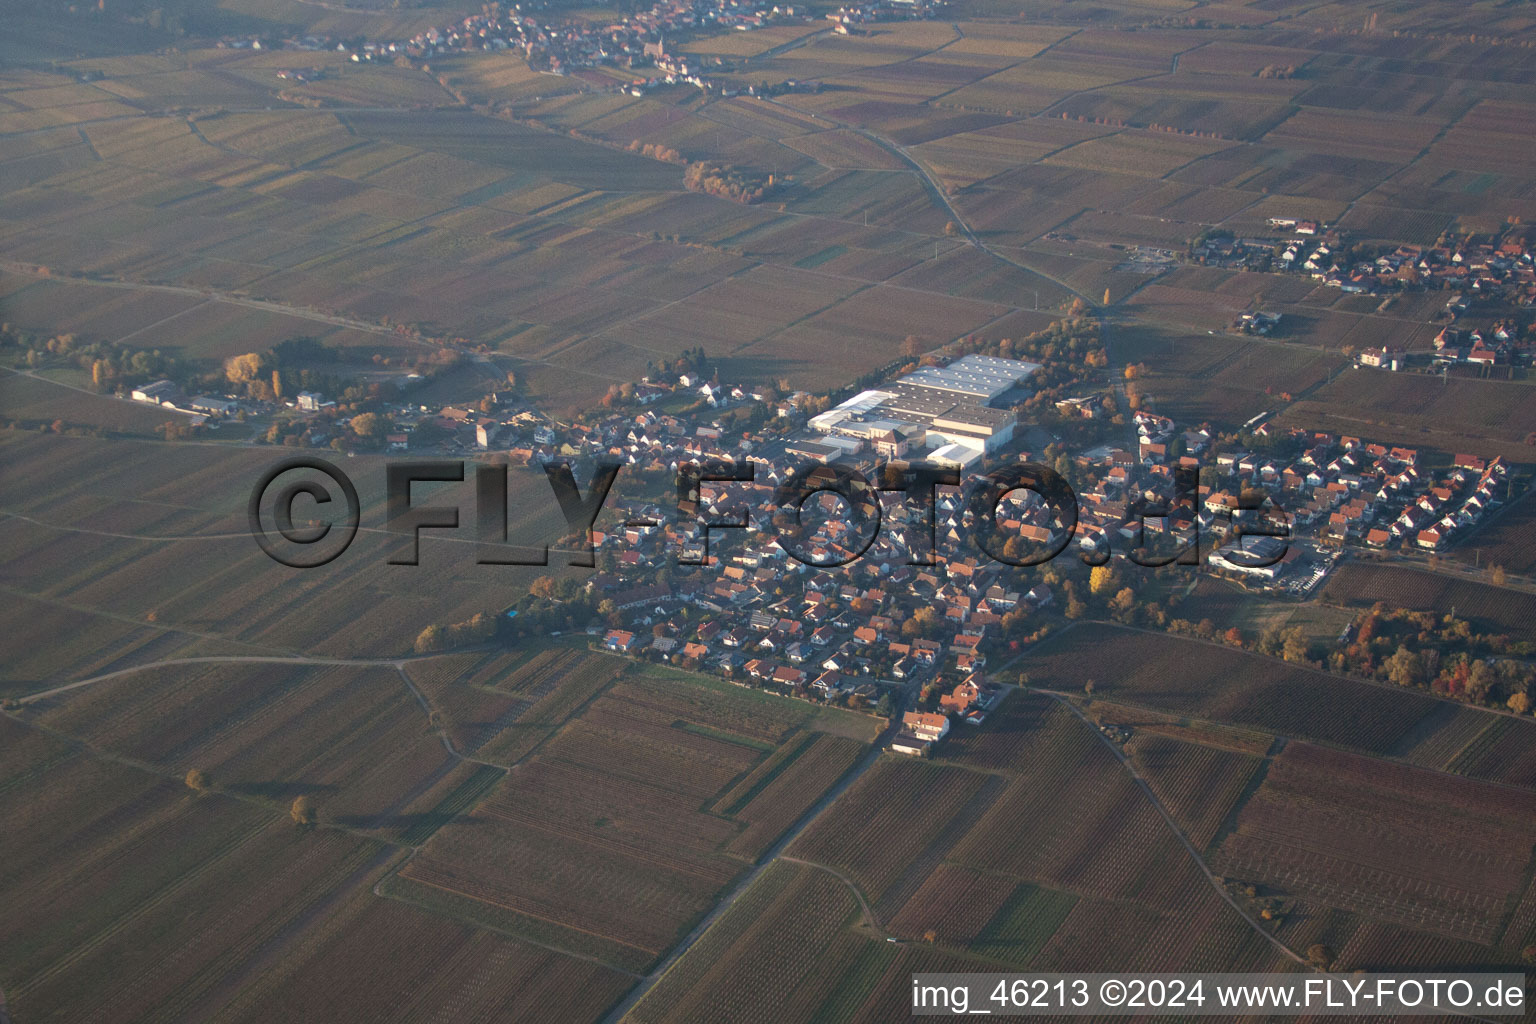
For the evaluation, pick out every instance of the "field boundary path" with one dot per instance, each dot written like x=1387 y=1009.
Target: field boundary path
x=858 y=894
x=1173 y=825
x=398 y=664
x=774 y=853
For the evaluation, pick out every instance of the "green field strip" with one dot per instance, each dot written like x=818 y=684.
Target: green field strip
x=464 y=796
x=759 y=778
x=506 y=921
x=1469 y=754
x=857 y=982
x=1024 y=923
x=1229 y=824
x=723 y=736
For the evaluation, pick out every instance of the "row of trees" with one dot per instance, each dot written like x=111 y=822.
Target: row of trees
x=475 y=630
x=302 y=810
x=110 y=365
x=656 y=152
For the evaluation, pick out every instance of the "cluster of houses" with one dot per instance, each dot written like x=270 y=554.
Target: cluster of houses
x=1500 y=269
x=774 y=621
x=1345 y=490
x=1124 y=477
x=1501 y=343
x=849 y=19
x=1497 y=268
x=1337 y=491
x=561 y=46
x=1235 y=253
x=1260 y=323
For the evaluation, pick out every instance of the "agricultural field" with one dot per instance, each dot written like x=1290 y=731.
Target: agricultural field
x=1199 y=784
x=895 y=825
x=965 y=885
x=1452 y=415
x=1293 y=834
x=1506 y=542
x=623 y=825
x=376 y=753
x=156 y=535
x=271 y=732
x=349 y=198
x=1211 y=681
x=230 y=911
x=1486 y=607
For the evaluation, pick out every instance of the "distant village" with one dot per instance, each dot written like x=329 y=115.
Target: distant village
x=567 y=46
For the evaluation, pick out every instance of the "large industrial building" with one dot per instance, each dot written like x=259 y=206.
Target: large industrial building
x=982 y=379
x=953 y=409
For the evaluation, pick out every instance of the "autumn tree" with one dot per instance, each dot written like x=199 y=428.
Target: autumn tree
x=369 y=426
x=302 y=811
x=924 y=622
x=1293 y=645
x=428 y=640
x=1404 y=667
x=1101 y=579
x=245 y=368
x=197 y=782
x=1480 y=681
x=1519 y=703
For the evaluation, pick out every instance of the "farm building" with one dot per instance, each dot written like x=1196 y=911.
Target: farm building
x=214 y=406
x=920 y=730
x=161 y=392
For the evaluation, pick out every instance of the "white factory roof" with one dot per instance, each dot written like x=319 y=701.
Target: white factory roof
x=956 y=454
x=860 y=404
x=981 y=377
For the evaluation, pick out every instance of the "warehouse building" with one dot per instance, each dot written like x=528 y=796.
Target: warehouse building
x=934 y=407
x=981 y=379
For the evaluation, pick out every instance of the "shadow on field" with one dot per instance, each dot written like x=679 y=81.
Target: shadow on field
x=412 y=829
x=278 y=790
